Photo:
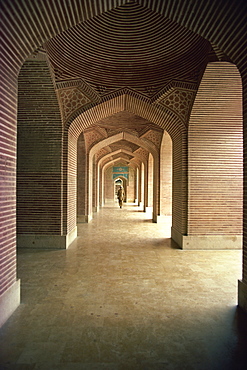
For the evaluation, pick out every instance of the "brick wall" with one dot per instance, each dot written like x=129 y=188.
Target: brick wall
x=179 y=182
x=70 y=184
x=81 y=176
x=215 y=154
x=109 y=184
x=39 y=152
x=22 y=36
x=150 y=180
x=245 y=181
x=166 y=175
x=131 y=189
x=8 y=182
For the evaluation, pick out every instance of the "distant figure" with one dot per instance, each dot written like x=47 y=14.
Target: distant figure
x=120 y=196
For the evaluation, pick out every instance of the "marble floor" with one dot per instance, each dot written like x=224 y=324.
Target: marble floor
x=123 y=296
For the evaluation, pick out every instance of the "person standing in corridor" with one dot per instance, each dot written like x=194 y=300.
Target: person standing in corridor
x=120 y=195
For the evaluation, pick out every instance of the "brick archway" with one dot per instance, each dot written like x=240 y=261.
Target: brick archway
x=131 y=138
x=27 y=26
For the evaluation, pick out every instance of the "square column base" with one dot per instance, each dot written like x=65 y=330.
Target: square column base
x=214 y=242
x=9 y=301
x=47 y=241
x=242 y=295
x=81 y=219
x=141 y=205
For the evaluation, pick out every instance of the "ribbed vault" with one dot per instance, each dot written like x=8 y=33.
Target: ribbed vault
x=154 y=114
x=107 y=75
x=131 y=46
x=117 y=124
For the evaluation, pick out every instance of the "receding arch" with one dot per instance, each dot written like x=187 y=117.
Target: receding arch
x=174 y=127
x=162 y=117
x=119 y=151
x=102 y=166
x=104 y=179
x=19 y=23
x=150 y=147
x=125 y=136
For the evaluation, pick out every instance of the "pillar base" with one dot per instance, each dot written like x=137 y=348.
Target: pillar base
x=215 y=242
x=242 y=295
x=177 y=237
x=142 y=207
x=81 y=219
x=46 y=241
x=154 y=218
x=9 y=301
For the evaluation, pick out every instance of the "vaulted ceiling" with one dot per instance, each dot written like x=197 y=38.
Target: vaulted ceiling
x=134 y=48
x=130 y=46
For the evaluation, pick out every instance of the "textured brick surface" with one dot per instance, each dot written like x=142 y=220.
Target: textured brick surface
x=39 y=152
x=216 y=154
x=26 y=26
x=166 y=175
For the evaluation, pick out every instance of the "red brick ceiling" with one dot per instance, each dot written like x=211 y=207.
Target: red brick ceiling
x=128 y=46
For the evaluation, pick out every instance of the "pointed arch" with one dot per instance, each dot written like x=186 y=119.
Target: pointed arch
x=26 y=26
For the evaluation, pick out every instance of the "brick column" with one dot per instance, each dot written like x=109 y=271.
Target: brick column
x=215 y=161
x=242 y=284
x=150 y=180
x=166 y=175
x=139 y=185
x=145 y=184
x=95 y=187
x=39 y=165
x=89 y=210
x=156 y=186
x=81 y=180
x=9 y=285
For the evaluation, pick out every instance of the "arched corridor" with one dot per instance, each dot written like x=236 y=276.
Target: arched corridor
x=124 y=296
x=157 y=88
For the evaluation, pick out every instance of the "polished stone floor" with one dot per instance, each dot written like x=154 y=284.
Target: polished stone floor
x=123 y=296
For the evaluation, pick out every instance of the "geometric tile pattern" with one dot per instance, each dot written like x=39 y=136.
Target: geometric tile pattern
x=92 y=137
x=180 y=101
x=154 y=136
x=71 y=100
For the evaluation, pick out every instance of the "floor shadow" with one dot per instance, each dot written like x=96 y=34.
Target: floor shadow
x=239 y=353
x=166 y=243
x=174 y=245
